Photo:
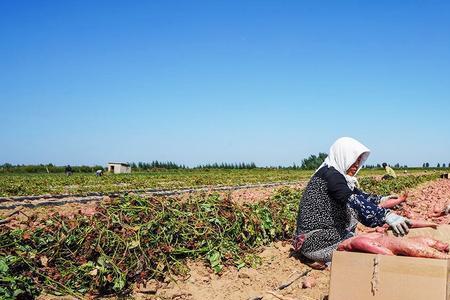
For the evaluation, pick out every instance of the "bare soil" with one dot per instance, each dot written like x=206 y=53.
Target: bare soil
x=276 y=269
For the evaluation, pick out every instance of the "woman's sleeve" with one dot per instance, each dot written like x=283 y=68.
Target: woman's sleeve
x=375 y=199
x=338 y=188
x=368 y=213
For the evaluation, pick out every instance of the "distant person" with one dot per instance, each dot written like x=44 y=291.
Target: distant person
x=99 y=173
x=68 y=170
x=390 y=173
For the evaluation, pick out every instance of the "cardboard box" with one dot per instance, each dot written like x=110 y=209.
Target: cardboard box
x=362 y=276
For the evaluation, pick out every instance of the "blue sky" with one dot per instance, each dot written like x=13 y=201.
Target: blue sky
x=86 y=82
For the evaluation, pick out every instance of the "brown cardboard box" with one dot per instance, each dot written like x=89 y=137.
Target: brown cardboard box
x=362 y=276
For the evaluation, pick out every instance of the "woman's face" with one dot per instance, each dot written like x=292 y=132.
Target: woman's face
x=354 y=168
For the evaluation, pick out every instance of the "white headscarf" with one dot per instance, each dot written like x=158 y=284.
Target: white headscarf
x=344 y=153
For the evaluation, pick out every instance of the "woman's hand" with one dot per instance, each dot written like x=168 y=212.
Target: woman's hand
x=400 y=225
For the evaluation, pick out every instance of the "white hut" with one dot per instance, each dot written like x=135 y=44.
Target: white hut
x=118 y=167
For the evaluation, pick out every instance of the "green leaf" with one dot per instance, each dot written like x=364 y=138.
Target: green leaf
x=214 y=258
x=241 y=265
x=17 y=292
x=3 y=266
x=119 y=283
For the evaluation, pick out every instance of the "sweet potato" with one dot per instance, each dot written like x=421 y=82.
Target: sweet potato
x=390 y=203
x=380 y=243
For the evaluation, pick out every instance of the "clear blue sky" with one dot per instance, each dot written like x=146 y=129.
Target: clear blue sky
x=86 y=82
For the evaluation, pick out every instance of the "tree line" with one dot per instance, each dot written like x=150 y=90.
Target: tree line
x=241 y=165
x=142 y=166
x=427 y=165
x=46 y=168
x=145 y=166
x=310 y=163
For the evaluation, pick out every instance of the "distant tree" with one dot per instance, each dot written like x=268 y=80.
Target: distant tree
x=427 y=165
x=313 y=161
x=397 y=165
x=443 y=165
x=6 y=167
x=438 y=165
x=378 y=166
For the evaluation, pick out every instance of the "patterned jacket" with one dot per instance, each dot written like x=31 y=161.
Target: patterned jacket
x=326 y=208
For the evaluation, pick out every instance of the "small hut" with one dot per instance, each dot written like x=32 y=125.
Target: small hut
x=119 y=167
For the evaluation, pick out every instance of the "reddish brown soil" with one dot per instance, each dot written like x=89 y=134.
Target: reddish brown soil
x=426 y=202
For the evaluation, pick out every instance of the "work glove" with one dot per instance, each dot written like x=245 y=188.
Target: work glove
x=400 y=225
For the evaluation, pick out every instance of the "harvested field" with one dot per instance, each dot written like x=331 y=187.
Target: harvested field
x=167 y=242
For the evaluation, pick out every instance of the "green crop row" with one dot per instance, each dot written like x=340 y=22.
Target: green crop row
x=385 y=187
x=39 y=184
